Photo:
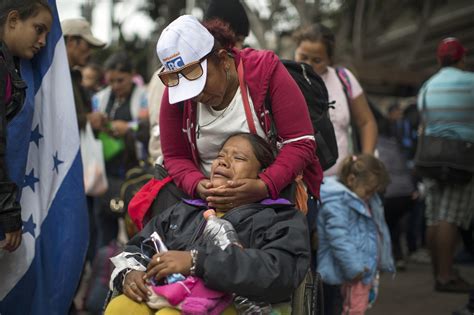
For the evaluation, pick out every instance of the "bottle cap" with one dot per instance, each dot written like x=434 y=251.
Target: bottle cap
x=208 y=213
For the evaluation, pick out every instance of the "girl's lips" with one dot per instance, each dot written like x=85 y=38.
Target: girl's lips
x=219 y=173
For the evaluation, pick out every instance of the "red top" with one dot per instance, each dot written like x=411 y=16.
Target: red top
x=263 y=72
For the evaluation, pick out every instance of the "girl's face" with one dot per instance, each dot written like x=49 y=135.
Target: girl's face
x=120 y=82
x=315 y=54
x=236 y=160
x=216 y=84
x=363 y=188
x=25 y=38
x=90 y=78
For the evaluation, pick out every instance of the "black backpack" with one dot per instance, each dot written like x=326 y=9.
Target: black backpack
x=316 y=96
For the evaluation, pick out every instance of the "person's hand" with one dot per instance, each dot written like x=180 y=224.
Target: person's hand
x=119 y=128
x=360 y=275
x=237 y=192
x=172 y=261
x=97 y=120
x=202 y=188
x=12 y=240
x=135 y=287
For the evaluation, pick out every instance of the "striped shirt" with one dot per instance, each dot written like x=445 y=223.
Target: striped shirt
x=448 y=98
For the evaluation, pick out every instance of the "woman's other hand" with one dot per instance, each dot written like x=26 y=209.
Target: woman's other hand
x=135 y=287
x=12 y=240
x=237 y=192
x=164 y=264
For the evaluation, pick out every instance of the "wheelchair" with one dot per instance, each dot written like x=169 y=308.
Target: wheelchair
x=308 y=297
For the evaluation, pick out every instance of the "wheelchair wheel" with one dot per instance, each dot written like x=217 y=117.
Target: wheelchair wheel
x=307 y=299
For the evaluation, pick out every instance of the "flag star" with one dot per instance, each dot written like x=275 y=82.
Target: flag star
x=29 y=226
x=57 y=162
x=35 y=135
x=30 y=180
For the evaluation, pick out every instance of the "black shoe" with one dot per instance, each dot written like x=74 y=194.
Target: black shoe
x=463 y=311
x=457 y=285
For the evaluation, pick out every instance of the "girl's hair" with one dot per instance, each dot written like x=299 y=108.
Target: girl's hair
x=261 y=148
x=362 y=166
x=25 y=8
x=223 y=34
x=119 y=61
x=316 y=33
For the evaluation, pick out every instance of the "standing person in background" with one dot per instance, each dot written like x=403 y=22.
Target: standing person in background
x=126 y=108
x=400 y=194
x=447 y=104
x=79 y=43
x=24 y=26
x=92 y=78
x=204 y=103
x=354 y=241
x=315 y=46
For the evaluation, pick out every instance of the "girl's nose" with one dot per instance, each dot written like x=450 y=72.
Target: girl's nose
x=223 y=162
x=42 y=40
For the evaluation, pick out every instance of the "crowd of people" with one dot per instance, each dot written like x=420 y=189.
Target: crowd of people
x=230 y=128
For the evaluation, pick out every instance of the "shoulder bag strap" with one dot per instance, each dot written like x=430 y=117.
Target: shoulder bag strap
x=245 y=98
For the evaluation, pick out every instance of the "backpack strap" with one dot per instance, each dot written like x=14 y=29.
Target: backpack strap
x=245 y=98
x=347 y=87
x=345 y=81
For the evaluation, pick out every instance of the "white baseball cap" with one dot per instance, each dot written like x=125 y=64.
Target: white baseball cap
x=183 y=41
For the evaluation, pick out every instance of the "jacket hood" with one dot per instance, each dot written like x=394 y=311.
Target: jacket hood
x=333 y=190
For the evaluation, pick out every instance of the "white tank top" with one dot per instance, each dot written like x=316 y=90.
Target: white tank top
x=213 y=127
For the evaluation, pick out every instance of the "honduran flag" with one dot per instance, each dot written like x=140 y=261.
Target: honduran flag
x=43 y=158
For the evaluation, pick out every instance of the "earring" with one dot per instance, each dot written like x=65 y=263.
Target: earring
x=227 y=73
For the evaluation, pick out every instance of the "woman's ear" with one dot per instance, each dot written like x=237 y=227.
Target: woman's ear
x=223 y=55
x=12 y=19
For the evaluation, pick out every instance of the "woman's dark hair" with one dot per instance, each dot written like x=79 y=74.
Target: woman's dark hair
x=119 y=61
x=25 y=8
x=316 y=33
x=362 y=166
x=261 y=148
x=223 y=34
x=231 y=11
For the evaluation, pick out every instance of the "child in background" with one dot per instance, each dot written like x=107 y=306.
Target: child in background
x=354 y=238
x=24 y=25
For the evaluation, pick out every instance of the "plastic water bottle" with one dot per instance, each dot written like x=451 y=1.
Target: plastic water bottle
x=246 y=307
x=218 y=231
x=160 y=247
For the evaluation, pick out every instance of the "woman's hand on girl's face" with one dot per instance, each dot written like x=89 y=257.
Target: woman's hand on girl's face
x=168 y=263
x=134 y=286
x=202 y=188
x=237 y=192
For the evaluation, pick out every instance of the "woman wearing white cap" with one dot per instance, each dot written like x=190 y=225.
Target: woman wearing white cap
x=204 y=103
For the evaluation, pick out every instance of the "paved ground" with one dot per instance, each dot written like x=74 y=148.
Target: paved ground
x=411 y=293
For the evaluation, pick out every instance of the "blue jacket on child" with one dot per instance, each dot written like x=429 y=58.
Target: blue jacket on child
x=350 y=237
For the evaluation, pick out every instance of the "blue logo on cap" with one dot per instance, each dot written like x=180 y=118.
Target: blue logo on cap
x=175 y=63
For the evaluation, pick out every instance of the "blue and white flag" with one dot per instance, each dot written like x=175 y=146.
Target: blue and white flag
x=43 y=158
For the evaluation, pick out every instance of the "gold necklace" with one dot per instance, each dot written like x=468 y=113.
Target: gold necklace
x=199 y=126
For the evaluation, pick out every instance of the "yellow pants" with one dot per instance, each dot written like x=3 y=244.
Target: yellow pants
x=126 y=306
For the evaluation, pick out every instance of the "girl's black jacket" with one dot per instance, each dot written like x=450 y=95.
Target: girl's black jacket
x=273 y=262
x=10 y=216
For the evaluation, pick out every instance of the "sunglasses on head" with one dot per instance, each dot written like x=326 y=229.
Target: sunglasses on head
x=192 y=71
